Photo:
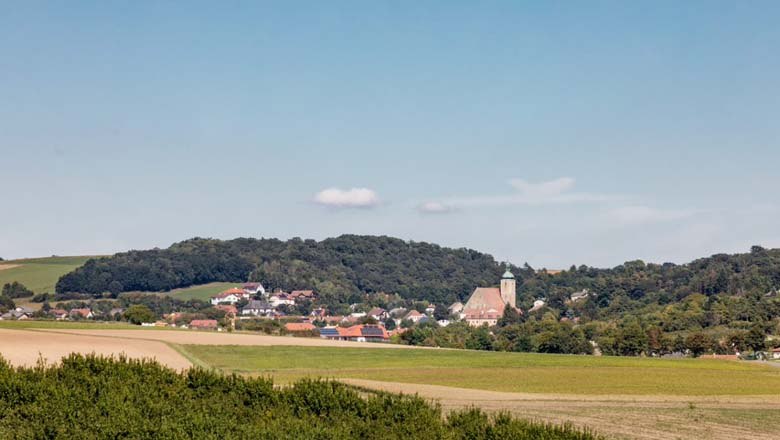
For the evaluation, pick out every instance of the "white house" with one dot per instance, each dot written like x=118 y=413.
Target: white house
x=257 y=308
x=230 y=296
x=254 y=288
x=281 y=299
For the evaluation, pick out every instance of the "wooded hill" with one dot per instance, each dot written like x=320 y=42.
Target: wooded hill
x=342 y=267
x=348 y=266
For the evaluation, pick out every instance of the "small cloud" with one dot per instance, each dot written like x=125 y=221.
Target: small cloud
x=435 y=208
x=557 y=191
x=646 y=214
x=543 y=189
x=347 y=198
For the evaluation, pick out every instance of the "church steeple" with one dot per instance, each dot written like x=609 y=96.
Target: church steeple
x=508 y=287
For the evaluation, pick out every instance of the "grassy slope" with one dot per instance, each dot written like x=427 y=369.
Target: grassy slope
x=76 y=325
x=512 y=372
x=203 y=292
x=39 y=274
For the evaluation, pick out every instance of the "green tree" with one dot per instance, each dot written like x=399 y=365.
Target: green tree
x=16 y=290
x=756 y=338
x=139 y=313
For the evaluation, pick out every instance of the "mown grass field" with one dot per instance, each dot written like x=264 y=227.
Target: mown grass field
x=39 y=274
x=508 y=372
x=202 y=292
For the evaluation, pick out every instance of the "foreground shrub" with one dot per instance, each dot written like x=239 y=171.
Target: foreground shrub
x=94 y=397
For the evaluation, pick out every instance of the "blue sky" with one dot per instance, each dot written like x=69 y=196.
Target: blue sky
x=543 y=132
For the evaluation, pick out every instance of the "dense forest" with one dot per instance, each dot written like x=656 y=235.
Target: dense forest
x=90 y=397
x=340 y=267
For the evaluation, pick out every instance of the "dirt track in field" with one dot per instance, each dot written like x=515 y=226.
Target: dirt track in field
x=24 y=347
x=629 y=417
x=194 y=337
x=8 y=266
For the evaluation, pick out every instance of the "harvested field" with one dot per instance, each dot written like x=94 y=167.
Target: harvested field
x=8 y=266
x=625 y=417
x=192 y=337
x=22 y=347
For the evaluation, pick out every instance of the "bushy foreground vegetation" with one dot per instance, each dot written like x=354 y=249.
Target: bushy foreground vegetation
x=90 y=397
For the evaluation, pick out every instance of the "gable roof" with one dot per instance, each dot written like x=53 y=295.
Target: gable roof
x=485 y=298
x=204 y=323
x=299 y=326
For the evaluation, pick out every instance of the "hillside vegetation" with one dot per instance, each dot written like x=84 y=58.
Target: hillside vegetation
x=90 y=397
x=38 y=274
x=337 y=268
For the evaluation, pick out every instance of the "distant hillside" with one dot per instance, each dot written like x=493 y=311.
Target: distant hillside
x=38 y=274
x=341 y=267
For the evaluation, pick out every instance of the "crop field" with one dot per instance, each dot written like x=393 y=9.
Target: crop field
x=520 y=372
x=624 y=398
x=39 y=274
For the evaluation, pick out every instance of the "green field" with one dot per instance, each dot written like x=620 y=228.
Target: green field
x=519 y=372
x=202 y=292
x=39 y=274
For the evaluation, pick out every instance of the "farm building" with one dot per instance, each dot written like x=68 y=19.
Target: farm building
x=230 y=296
x=358 y=333
x=299 y=327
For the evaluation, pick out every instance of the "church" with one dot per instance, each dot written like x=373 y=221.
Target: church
x=487 y=304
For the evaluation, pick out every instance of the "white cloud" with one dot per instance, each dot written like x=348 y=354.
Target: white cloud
x=645 y=214
x=557 y=191
x=435 y=208
x=347 y=198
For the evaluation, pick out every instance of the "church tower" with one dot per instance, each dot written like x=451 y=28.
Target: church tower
x=508 y=290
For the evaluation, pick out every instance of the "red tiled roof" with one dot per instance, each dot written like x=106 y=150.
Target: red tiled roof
x=204 y=323
x=227 y=308
x=304 y=293
x=485 y=303
x=299 y=326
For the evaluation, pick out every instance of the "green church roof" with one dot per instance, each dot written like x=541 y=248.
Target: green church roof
x=508 y=273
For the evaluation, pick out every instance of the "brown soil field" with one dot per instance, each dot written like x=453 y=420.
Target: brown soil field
x=23 y=347
x=194 y=337
x=622 y=417
x=8 y=266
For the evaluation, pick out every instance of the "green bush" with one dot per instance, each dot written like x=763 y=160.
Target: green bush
x=94 y=397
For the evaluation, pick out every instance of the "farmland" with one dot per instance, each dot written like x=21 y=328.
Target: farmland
x=621 y=397
x=39 y=274
x=520 y=372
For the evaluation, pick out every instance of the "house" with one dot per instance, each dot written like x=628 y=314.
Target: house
x=486 y=305
x=358 y=333
x=204 y=324
x=378 y=313
x=413 y=316
x=81 y=313
x=253 y=289
x=59 y=314
x=538 y=304
x=430 y=309
x=775 y=353
x=582 y=294
x=257 y=308
x=281 y=299
x=455 y=308
x=19 y=313
x=302 y=294
x=293 y=327
x=230 y=296
x=319 y=312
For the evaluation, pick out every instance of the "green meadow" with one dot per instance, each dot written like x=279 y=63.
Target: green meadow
x=510 y=372
x=202 y=292
x=39 y=274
